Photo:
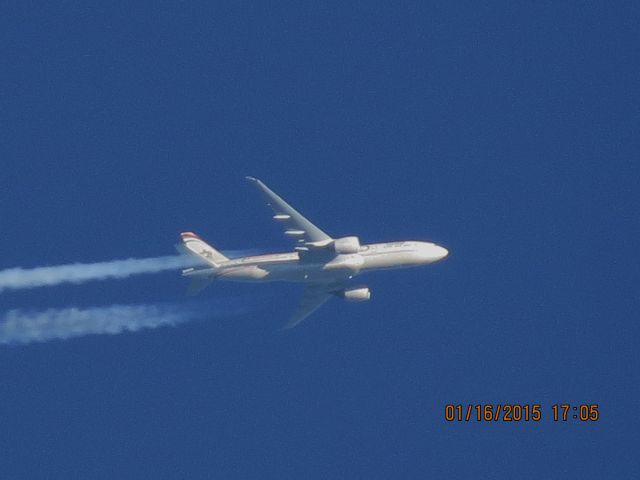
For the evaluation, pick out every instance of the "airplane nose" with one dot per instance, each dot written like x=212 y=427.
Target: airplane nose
x=432 y=253
x=441 y=252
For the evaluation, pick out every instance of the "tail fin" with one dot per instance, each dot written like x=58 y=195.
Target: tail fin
x=194 y=245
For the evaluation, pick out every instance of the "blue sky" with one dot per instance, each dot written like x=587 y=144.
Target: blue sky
x=507 y=132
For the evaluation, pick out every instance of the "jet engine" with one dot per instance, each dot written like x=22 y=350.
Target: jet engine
x=347 y=245
x=357 y=294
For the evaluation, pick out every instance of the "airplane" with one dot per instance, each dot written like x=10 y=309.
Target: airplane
x=325 y=265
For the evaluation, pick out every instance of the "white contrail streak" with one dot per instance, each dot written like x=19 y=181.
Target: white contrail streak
x=24 y=326
x=20 y=278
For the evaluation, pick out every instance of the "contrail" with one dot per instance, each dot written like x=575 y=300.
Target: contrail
x=21 y=278
x=25 y=326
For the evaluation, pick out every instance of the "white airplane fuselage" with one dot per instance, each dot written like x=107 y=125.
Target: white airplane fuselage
x=319 y=266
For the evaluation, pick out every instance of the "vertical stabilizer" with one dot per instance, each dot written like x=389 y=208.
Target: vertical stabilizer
x=194 y=245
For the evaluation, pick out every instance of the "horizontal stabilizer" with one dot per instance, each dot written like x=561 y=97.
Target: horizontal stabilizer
x=198 y=284
x=200 y=279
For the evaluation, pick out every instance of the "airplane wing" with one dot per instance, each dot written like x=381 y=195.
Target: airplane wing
x=313 y=297
x=296 y=226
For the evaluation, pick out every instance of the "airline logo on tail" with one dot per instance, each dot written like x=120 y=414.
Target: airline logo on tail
x=194 y=245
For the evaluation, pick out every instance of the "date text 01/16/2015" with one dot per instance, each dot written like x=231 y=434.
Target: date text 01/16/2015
x=514 y=412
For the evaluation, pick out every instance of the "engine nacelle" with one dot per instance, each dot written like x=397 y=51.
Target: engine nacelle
x=357 y=294
x=346 y=245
